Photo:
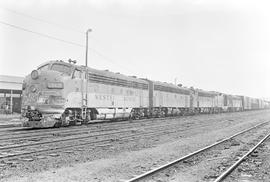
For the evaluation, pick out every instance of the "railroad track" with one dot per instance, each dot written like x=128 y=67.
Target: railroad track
x=85 y=133
x=162 y=131
x=20 y=130
x=156 y=131
x=94 y=143
x=45 y=134
x=157 y=170
x=77 y=128
x=27 y=136
x=238 y=162
x=74 y=131
x=168 y=127
x=111 y=134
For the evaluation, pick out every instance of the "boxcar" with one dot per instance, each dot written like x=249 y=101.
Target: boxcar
x=233 y=103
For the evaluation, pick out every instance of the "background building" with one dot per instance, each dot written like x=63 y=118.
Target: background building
x=10 y=93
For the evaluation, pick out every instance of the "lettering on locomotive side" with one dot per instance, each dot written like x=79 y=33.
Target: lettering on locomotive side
x=104 y=97
x=112 y=98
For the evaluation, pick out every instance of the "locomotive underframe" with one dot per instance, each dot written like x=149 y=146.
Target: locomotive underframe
x=74 y=116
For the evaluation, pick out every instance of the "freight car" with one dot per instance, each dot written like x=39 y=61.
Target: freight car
x=62 y=94
x=233 y=103
x=251 y=103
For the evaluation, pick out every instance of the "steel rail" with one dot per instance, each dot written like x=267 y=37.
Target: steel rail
x=86 y=133
x=70 y=128
x=79 y=131
x=228 y=171
x=62 y=140
x=106 y=133
x=3 y=130
x=72 y=131
x=96 y=124
x=153 y=171
x=151 y=134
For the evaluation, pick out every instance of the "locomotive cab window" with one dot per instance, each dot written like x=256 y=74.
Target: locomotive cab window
x=65 y=69
x=45 y=67
x=77 y=74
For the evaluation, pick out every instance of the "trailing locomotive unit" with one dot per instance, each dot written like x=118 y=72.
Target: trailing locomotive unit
x=57 y=94
x=168 y=100
x=203 y=101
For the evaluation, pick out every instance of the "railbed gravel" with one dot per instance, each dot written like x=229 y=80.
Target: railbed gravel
x=121 y=160
x=212 y=161
x=256 y=167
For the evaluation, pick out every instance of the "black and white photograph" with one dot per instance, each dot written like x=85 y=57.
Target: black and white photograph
x=134 y=90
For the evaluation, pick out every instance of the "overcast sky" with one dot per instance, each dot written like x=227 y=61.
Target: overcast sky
x=214 y=45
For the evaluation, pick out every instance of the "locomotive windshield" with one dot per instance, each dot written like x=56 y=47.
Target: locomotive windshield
x=62 y=68
x=44 y=67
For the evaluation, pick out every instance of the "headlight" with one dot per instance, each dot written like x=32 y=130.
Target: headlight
x=58 y=85
x=33 y=88
x=34 y=74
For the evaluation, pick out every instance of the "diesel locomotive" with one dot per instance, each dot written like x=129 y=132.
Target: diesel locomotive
x=62 y=94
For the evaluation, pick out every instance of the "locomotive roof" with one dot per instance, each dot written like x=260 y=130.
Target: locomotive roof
x=115 y=75
x=51 y=62
x=100 y=72
x=206 y=93
x=169 y=85
x=47 y=62
x=235 y=96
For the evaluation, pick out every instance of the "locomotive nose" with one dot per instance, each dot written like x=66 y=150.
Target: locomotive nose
x=43 y=88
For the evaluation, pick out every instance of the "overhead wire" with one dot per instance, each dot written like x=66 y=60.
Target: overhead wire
x=62 y=40
x=64 y=27
x=55 y=38
x=43 y=21
x=41 y=34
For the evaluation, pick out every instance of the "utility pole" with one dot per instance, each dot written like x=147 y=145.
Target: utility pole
x=85 y=100
x=86 y=64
